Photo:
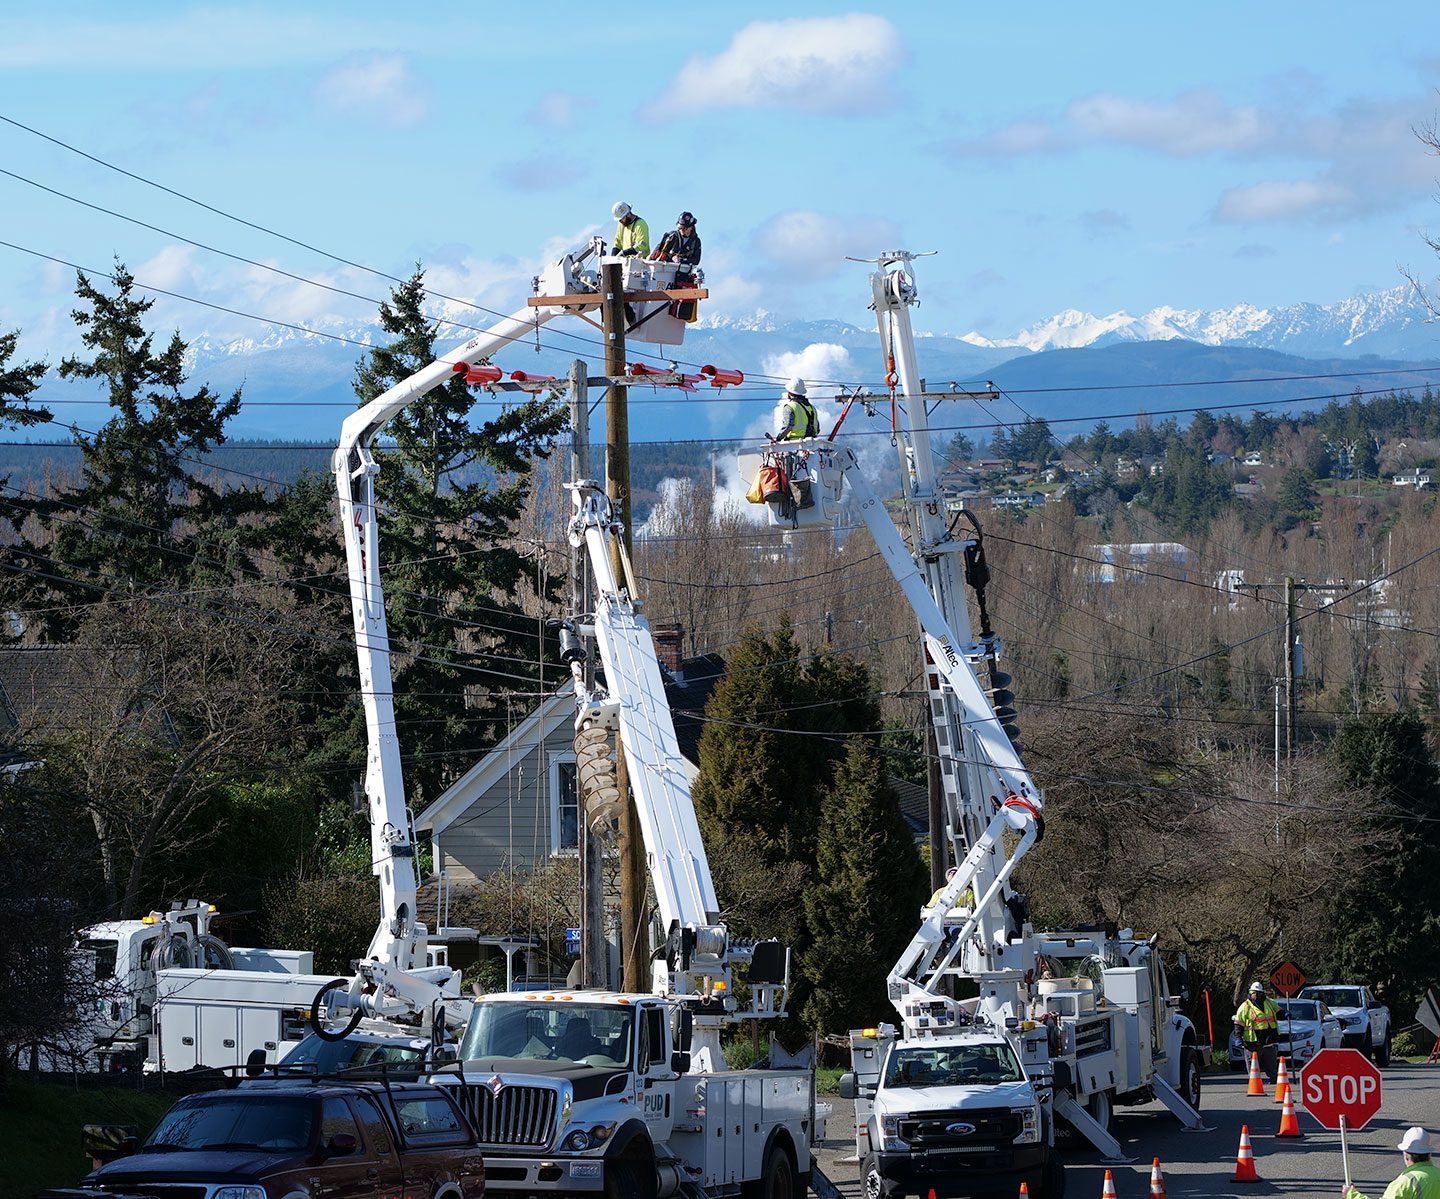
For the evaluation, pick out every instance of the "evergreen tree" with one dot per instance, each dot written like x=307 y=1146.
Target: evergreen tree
x=452 y=492
x=1387 y=923
x=863 y=902
x=18 y=382
x=131 y=523
x=961 y=449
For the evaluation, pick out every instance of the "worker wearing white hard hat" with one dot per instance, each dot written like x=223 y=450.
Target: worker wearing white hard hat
x=632 y=234
x=797 y=414
x=1258 y=1020
x=1419 y=1180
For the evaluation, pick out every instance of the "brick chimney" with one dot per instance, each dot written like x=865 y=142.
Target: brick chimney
x=669 y=647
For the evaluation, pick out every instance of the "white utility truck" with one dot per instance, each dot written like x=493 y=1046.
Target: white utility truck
x=170 y=995
x=580 y=1091
x=1010 y=1028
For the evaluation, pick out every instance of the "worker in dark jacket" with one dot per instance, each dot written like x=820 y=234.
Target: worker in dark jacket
x=681 y=244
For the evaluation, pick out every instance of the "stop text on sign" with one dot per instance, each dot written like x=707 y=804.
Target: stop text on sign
x=1344 y=1090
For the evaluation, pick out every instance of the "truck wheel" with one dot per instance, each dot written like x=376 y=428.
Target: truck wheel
x=632 y=1174
x=1382 y=1054
x=1190 y=1076
x=1101 y=1107
x=872 y=1186
x=777 y=1179
x=1052 y=1186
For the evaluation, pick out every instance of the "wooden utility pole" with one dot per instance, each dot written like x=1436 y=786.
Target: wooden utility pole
x=1291 y=676
x=634 y=941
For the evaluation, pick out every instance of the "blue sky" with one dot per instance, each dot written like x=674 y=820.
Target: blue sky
x=1195 y=157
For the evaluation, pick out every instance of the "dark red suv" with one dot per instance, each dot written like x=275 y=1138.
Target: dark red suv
x=291 y=1139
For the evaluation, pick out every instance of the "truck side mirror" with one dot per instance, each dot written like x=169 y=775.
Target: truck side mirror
x=255 y=1063
x=847 y=1086
x=680 y=1062
x=686 y=1032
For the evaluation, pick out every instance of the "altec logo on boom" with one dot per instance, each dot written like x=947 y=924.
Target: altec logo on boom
x=1338 y=1083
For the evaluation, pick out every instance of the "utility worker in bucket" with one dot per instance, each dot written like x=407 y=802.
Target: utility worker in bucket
x=1419 y=1180
x=797 y=414
x=964 y=902
x=632 y=234
x=681 y=244
x=1258 y=1020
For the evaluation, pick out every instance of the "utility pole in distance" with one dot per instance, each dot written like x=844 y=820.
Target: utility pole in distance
x=634 y=941
x=1291 y=587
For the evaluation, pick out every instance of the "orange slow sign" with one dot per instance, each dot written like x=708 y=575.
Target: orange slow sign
x=1287 y=978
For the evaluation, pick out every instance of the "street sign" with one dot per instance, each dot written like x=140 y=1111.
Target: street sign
x=1340 y=1085
x=572 y=941
x=1428 y=1013
x=1287 y=978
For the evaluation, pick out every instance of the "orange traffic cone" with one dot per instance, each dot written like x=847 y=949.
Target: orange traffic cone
x=1245 y=1159
x=1109 y=1191
x=1157 y=1180
x=1282 y=1081
x=1024 y=1188
x=1289 y=1123
x=1257 y=1084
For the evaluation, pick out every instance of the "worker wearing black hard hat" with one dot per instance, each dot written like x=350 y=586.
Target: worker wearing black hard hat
x=681 y=244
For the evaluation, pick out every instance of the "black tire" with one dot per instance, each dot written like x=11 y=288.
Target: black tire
x=872 y=1186
x=777 y=1178
x=321 y=1029
x=1382 y=1054
x=632 y=1174
x=1190 y=1078
x=1101 y=1106
x=1052 y=1184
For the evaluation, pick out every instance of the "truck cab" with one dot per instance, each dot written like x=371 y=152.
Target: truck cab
x=953 y=1115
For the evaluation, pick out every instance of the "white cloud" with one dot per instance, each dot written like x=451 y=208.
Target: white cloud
x=380 y=88
x=805 y=245
x=1278 y=201
x=1195 y=122
x=814 y=64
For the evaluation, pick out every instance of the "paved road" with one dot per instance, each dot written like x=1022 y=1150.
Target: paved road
x=1203 y=1163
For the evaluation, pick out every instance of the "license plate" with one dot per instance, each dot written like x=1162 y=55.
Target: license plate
x=584 y=1169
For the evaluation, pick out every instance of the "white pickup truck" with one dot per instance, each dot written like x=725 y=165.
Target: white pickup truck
x=1364 y=1020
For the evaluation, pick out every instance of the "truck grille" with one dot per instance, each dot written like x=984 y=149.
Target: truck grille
x=515 y=1115
x=990 y=1126
x=161 y=1190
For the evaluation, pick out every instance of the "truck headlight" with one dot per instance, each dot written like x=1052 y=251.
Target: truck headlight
x=582 y=1139
x=240 y=1193
x=890 y=1135
x=1029 y=1128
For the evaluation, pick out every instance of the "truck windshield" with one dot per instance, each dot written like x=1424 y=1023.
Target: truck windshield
x=330 y=1056
x=1335 y=996
x=252 y=1121
x=596 y=1034
x=951 y=1065
x=105 y=950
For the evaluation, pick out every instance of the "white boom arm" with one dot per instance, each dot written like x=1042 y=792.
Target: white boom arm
x=634 y=699
x=393 y=978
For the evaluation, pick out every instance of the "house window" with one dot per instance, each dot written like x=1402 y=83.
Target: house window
x=564 y=805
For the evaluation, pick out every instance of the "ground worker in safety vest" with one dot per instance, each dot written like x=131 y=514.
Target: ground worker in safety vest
x=632 y=234
x=1420 y=1179
x=1258 y=1020
x=797 y=414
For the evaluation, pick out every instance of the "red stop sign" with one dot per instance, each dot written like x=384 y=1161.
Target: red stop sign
x=1340 y=1082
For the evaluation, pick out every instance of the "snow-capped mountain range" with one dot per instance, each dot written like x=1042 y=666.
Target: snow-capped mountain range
x=1394 y=321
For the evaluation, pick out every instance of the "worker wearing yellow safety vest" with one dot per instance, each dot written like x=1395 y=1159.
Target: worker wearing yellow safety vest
x=964 y=902
x=1419 y=1180
x=1258 y=1019
x=632 y=234
x=797 y=414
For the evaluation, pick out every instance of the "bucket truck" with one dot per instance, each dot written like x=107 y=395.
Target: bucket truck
x=403 y=978
x=1001 y=1029
x=595 y=1092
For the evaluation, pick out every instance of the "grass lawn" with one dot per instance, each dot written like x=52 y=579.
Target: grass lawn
x=40 y=1130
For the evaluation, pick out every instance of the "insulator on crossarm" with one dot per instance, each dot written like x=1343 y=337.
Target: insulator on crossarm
x=720 y=377
x=479 y=374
